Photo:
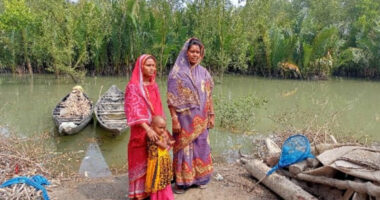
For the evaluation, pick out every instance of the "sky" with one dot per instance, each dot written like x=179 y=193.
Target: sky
x=236 y=2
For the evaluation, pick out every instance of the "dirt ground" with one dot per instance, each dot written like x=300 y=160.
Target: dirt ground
x=236 y=183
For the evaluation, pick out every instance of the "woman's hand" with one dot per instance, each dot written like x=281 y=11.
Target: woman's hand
x=176 y=126
x=152 y=135
x=211 y=121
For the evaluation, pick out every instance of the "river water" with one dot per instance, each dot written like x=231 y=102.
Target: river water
x=341 y=106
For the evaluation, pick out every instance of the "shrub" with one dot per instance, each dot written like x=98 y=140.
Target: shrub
x=238 y=114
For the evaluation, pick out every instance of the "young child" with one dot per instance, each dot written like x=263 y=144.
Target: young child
x=159 y=171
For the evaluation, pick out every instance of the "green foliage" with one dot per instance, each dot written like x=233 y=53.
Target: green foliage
x=325 y=39
x=307 y=54
x=162 y=44
x=352 y=56
x=16 y=15
x=237 y=114
x=283 y=45
x=106 y=37
x=316 y=61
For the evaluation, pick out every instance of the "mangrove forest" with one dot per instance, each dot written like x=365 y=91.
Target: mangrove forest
x=272 y=38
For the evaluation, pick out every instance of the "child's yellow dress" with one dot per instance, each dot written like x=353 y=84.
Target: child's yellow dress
x=159 y=170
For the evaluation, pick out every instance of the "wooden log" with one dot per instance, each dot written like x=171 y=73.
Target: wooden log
x=347 y=195
x=277 y=183
x=367 y=187
x=359 y=196
x=272 y=146
x=273 y=154
x=272 y=159
x=298 y=167
x=312 y=162
x=320 y=191
x=326 y=171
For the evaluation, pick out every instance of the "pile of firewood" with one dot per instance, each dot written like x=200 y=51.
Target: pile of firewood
x=29 y=157
x=18 y=160
x=76 y=105
x=339 y=171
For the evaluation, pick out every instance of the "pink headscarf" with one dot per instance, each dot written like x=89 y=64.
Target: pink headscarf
x=138 y=107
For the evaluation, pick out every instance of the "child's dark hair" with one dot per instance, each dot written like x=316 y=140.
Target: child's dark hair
x=195 y=41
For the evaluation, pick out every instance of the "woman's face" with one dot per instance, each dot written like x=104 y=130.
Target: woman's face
x=194 y=54
x=149 y=68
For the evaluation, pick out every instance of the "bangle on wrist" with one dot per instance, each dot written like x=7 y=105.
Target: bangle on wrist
x=211 y=113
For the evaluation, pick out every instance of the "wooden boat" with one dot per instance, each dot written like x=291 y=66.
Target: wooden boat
x=73 y=112
x=109 y=111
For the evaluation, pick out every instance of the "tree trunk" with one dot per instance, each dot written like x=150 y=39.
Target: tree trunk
x=26 y=57
x=277 y=183
x=29 y=66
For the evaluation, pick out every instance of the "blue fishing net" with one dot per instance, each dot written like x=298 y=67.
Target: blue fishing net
x=295 y=149
x=36 y=181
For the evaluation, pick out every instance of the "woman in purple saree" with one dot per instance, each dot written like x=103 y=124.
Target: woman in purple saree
x=190 y=104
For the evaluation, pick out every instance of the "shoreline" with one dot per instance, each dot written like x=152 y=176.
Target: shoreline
x=28 y=157
x=229 y=181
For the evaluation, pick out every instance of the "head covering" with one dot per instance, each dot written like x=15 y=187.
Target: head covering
x=137 y=106
x=183 y=93
x=137 y=75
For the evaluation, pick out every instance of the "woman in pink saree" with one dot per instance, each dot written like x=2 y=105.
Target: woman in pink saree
x=190 y=103
x=142 y=101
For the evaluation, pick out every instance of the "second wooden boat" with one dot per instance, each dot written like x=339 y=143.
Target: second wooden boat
x=109 y=111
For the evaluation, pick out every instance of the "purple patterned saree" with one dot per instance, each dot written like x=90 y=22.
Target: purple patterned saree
x=189 y=92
